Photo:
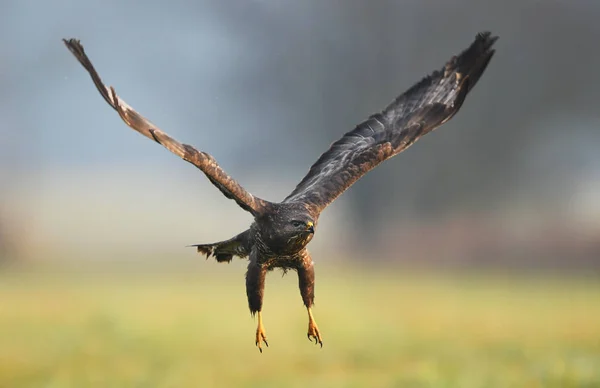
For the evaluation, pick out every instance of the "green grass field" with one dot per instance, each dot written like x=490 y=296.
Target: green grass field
x=380 y=329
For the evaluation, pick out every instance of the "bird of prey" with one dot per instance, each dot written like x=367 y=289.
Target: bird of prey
x=281 y=230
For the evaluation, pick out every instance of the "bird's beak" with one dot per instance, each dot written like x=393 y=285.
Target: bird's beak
x=310 y=227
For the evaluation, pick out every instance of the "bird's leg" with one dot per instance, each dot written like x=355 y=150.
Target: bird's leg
x=313 y=329
x=306 y=282
x=261 y=336
x=255 y=287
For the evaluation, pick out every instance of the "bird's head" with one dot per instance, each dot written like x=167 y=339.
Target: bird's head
x=287 y=228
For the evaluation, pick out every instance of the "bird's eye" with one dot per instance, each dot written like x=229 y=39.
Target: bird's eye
x=297 y=224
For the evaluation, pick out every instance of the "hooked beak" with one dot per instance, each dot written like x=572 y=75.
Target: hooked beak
x=310 y=227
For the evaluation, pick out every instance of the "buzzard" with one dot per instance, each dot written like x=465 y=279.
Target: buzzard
x=281 y=230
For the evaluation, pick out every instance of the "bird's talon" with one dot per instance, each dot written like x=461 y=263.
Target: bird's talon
x=260 y=338
x=260 y=334
x=313 y=332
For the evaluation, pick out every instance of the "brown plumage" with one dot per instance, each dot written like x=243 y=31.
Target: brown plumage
x=280 y=232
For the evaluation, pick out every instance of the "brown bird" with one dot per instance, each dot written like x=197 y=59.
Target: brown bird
x=280 y=232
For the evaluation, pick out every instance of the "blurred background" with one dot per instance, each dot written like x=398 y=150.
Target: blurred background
x=509 y=189
x=265 y=87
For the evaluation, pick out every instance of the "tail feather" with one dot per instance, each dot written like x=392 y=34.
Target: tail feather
x=223 y=251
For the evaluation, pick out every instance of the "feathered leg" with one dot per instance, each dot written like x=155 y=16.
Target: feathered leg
x=306 y=282
x=255 y=287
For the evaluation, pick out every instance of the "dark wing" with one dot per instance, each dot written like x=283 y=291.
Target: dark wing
x=422 y=108
x=228 y=186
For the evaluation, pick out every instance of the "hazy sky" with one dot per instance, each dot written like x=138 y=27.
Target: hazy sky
x=266 y=86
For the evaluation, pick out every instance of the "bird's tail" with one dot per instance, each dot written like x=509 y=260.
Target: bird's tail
x=223 y=251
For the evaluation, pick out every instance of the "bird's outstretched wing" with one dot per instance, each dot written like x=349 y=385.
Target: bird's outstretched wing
x=422 y=108
x=205 y=162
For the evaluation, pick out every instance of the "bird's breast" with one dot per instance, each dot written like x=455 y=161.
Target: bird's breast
x=285 y=262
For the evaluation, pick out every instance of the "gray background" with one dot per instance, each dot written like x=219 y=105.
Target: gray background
x=265 y=87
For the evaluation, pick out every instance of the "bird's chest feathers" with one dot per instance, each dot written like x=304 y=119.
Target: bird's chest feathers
x=285 y=262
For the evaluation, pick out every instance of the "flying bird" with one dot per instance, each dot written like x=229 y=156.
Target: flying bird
x=281 y=230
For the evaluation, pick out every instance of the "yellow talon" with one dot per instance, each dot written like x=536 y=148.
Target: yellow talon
x=313 y=330
x=261 y=336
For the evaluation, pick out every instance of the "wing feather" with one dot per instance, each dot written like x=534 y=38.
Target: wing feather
x=205 y=162
x=422 y=108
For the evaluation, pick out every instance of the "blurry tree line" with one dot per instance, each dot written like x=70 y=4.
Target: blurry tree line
x=522 y=153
